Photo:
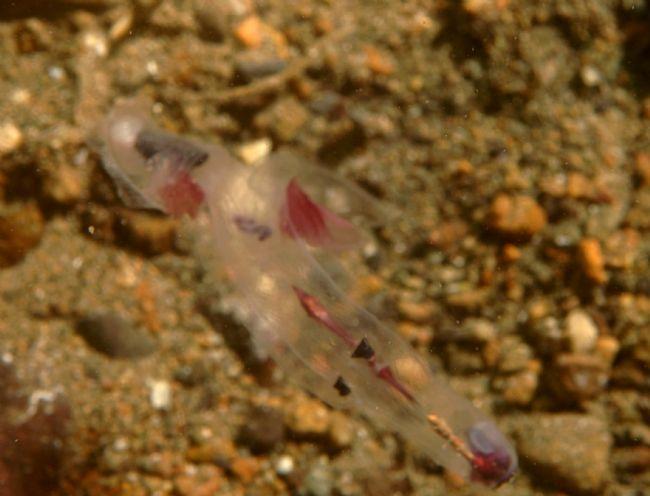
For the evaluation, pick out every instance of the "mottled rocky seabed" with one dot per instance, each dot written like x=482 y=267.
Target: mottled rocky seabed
x=514 y=136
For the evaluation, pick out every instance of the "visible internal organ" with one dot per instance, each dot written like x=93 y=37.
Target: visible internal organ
x=279 y=229
x=491 y=463
x=180 y=195
x=301 y=217
x=362 y=349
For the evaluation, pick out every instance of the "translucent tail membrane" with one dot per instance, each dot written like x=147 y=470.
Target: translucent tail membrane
x=290 y=235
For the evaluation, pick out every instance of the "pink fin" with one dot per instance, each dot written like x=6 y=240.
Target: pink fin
x=301 y=217
x=319 y=313
x=181 y=195
x=385 y=373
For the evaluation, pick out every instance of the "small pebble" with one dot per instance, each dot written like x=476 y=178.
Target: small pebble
x=114 y=336
x=607 y=348
x=590 y=75
x=256 y=64
x=245 y=468
x=254 y=151
x=642 y=167
x=150 y=233
x=285 y=465
x=519 y=389
x=581 y=331
x=212 y=449
x=263 y=429
x=253 y=32
x=11 y=138
x=192 y=374
x=308 y=417
x=516 y=216
x=65 y=184
x=319 y=481
x=21 y=229
x=215 y=16
x=514 y=355
x=635 y=459
x=249 y=32
x=418 y=312
x=591 y=260
x=378 y=61
x=284 y=119
x=160 y=394
x=575 y=378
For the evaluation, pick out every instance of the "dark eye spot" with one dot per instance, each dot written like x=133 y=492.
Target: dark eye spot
x=152 y=144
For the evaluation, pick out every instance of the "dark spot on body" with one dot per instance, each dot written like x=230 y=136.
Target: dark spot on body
x=363 y=350
x=342 y=387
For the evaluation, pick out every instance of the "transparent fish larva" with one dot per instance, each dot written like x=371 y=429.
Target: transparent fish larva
x=289 y=234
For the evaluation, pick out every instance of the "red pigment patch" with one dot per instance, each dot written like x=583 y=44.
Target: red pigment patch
x=301 y=217
x=181 y=195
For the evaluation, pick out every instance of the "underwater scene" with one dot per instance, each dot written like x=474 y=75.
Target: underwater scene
x=324 y=247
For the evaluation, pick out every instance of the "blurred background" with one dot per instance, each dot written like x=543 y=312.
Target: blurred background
x=514 y=136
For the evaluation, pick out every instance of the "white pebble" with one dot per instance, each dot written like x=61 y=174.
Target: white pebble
x=254 y=151
x=160 y=394
x=284 y=465
x=56 y=72
x=590 y=75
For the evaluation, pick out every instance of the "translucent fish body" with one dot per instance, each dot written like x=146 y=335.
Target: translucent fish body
x=290 y=235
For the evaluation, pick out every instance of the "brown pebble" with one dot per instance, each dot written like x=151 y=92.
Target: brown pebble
x=245 y=468
x=323 y=23
x=635 y=459
x=11 y=138
x=216 y=16
x=519 y=389
x=468 y=300
x=578 y=186
x=249 y=32
x=21 y=228
x=591 y=260
x=263 y=430
x=415 y=333
x=284 y=119
x=217 y=450
x=418 y=312
x=510 y=253
x=65 y=184
x=308 y=417
x=378 y=61
x=206 y=482
x=576 y=378
x=607 y=348
x=411 y=372
x=516 y=216
x=448 y=234
x=642 y=167
x=252 y=32
x=150 y=233
x=621 y=248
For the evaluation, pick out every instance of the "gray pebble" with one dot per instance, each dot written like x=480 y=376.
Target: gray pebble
x=263 y=430
x=114 y=336
x=570 y=452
